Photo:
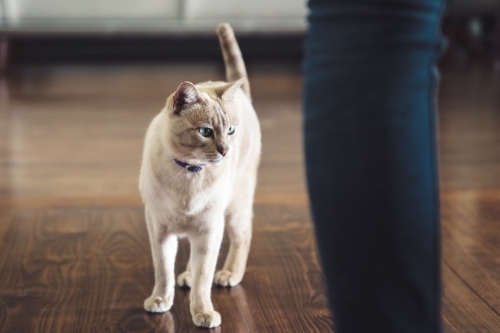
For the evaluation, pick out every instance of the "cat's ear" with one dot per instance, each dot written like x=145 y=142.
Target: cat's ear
x=185 y=95
x=227 y=91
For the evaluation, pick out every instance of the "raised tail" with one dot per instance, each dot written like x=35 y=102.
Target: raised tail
x=235 y=66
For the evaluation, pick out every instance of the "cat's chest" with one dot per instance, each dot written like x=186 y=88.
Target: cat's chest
x=187 y=197
x=186 y=202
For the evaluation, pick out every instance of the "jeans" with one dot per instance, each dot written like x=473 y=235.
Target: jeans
x=370 y=83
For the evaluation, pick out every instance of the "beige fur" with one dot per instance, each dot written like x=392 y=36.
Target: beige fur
x=197 y=205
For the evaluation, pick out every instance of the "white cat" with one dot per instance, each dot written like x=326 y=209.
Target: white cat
x=199 y=170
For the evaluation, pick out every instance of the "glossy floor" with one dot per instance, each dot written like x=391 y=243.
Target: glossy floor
x=74 y=253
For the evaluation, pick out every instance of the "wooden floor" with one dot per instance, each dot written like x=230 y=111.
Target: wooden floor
x=74 y=253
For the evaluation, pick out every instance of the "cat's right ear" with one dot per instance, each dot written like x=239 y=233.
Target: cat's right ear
x=185 y=95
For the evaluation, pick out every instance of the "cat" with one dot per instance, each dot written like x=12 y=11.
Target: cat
x=198 y=175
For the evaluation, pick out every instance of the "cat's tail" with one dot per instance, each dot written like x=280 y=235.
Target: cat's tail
x=235 y=66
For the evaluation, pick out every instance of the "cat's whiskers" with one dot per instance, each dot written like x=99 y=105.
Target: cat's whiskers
x=181 y=170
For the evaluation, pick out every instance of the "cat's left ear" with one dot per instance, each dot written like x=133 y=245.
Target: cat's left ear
x=227 y=91
x=185 y=95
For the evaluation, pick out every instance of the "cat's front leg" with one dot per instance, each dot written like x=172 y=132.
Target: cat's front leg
x=164 y=250
x=204 y=251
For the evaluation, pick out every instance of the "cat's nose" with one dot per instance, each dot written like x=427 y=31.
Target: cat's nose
x=222 y=149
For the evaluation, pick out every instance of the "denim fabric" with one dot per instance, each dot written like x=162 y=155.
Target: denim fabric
x=370 y=143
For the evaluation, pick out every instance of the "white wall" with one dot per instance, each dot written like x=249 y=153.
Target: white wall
x=90 y=9
x=244 y=9
x=152 y=16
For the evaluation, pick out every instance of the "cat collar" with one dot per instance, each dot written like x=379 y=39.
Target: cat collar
x=190 y=167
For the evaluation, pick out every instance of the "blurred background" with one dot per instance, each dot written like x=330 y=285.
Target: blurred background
x=62 y=31
x=113 y=30
x=81 y=80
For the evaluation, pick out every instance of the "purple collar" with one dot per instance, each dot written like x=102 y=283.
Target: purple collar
x=190 y=167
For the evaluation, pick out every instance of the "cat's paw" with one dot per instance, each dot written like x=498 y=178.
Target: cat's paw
x=226 y=278
x=207 y=319
x=184 y=279
x=158 y=304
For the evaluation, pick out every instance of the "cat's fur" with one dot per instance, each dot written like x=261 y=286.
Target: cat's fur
x=197 y=205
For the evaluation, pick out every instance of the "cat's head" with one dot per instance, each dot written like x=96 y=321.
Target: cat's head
x=202 y=122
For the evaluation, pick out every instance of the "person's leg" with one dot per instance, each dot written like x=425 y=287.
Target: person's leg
x=370 y=142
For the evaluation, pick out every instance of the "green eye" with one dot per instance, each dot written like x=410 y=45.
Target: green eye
x=206 y=132
x=231 y=130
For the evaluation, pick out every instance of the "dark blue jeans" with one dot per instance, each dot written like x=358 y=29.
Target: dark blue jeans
x=370 y=141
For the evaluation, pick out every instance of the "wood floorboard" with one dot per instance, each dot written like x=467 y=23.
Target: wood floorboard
x=89 y=270
x=74 y=252
x=471 y=246
x=470 y=182
x=463 y=309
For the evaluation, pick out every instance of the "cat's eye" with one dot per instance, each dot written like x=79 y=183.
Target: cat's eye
x=204 y=131
x=231 y=130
